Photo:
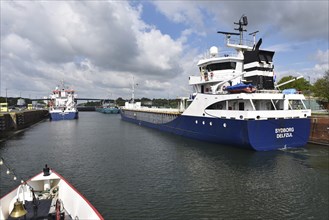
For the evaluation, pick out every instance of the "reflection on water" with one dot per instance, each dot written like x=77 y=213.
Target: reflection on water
x=130 y=172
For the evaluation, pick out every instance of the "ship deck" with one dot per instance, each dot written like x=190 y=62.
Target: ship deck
x=155 y=110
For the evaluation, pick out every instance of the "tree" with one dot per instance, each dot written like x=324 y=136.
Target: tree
x=299 y=84
x=120 y=101
x=321 y=87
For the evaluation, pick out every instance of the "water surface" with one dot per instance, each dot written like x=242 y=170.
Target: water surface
x=131 y=172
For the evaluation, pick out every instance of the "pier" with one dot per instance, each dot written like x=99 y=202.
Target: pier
x=13 y=121
x=319 y=133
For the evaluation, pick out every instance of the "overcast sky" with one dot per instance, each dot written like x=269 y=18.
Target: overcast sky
x=97 y=47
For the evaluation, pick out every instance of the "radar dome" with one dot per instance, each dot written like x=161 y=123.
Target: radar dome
x=213 y=51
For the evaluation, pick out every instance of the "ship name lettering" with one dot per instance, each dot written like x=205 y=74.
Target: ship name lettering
x=284 y=132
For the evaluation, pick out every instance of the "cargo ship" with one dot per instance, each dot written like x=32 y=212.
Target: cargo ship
x=235 y=101
x=62 y=104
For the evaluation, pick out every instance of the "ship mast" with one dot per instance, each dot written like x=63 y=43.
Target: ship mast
x=133 y=92
x=242 y=22
x=240 y=47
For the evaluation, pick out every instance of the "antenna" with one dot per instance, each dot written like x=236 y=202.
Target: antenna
x=227 y=33
x=254 y=35
x=242 y=22
x=133 y=92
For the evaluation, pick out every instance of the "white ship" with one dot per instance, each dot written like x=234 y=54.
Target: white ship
x=235 y=102
x=62 y=104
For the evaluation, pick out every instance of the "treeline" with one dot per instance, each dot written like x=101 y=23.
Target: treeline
x=12 y=101
x=319 y=89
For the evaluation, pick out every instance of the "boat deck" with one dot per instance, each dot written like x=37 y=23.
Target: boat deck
x=155 y=110
x=45 y=210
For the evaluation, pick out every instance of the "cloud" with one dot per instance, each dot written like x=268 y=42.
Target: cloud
x=294 y=19
x=182 y=12
x=285 y=47
x=94 y=46
x=98 y=46
x=322 y=59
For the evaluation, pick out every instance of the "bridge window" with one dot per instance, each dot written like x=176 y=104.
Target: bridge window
x=241 y=106
x=296 y=104
x=218 y=106
x=221 y=66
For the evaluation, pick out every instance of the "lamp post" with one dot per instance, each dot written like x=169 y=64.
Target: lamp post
x=6 y=96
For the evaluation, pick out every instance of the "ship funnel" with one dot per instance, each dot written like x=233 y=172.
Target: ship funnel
x=213 y=51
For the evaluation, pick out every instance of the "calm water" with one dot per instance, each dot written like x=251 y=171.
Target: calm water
x=132 y=172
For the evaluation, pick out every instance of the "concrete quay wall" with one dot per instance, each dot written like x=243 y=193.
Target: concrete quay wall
x=319 y=133
x=12 y=121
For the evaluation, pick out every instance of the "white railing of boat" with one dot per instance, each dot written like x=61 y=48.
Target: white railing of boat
x=156 y=110
x=258 y=115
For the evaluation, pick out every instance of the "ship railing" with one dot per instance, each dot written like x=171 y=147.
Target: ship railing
x=258 y=114
x=221 y=54
x=157 y=110
x=246 y=42
x=272 y=91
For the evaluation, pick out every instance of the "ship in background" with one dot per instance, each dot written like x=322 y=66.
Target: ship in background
x=235 y=101
x=108 y=108
x=62 y=104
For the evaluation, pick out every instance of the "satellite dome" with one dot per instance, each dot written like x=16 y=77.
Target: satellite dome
x=213 y=51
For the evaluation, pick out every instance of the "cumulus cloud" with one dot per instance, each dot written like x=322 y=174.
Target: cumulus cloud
x=294 y=19
x=182 y=12
x=322 y=57
x=92 y=45
x=99 y=46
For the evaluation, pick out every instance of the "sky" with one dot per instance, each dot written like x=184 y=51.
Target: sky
x=99 y=48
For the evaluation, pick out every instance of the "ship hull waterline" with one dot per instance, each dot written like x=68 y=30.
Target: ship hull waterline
x=259 y=135
x=57 y=116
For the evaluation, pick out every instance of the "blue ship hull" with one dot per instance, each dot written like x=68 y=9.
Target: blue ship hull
x=56 y=116
x=109 y=110
x=259 y=135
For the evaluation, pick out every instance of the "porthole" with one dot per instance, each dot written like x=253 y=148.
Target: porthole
x=224 y=125
x=203 y=122
x=196 y=121
x=210 y=123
